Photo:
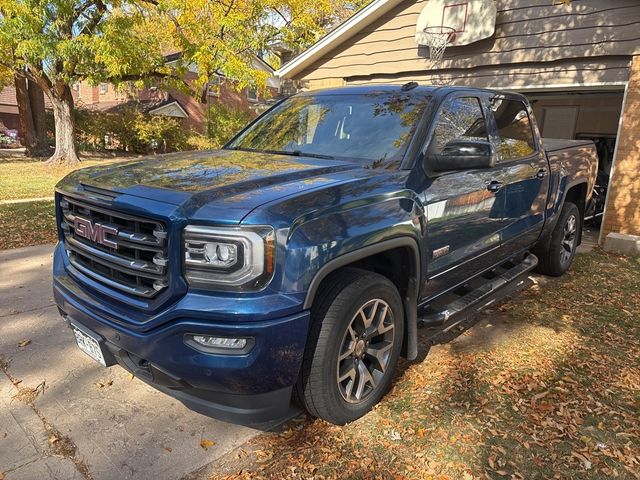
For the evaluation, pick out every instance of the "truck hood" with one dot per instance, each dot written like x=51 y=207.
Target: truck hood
x=222 y=186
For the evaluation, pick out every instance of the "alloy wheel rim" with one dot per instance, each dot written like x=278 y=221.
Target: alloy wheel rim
x=365 y=351
x=569 y=239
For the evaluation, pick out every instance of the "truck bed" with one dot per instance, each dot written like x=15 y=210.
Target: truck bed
x=557 y=144
x=578 y=158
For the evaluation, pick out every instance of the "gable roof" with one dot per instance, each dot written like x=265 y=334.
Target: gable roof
x=152 y=106
x=344 y=31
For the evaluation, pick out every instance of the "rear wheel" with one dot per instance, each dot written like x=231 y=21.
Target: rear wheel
x=353 y=348
x=557 y=258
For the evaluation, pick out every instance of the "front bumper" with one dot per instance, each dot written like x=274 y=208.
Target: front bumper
x=249 y=389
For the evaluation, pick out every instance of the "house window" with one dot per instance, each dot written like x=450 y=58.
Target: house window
x=103 y=88
x=213 y=89
x=252 y=94
x=76 y=86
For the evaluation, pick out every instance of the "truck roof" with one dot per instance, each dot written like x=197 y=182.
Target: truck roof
x=391 y=88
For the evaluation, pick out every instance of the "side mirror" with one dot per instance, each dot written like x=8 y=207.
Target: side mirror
x=463 y=155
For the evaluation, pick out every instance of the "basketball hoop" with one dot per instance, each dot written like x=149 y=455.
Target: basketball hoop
x=438 y=38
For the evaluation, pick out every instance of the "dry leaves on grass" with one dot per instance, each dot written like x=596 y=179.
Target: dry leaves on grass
x=555 y=397
x=27 y=224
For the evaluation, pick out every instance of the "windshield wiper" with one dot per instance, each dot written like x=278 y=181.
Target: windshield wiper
x=292 y=153
x=299 y=153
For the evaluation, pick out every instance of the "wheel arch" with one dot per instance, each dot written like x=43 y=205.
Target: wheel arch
x=577 y=193
x=389 y=258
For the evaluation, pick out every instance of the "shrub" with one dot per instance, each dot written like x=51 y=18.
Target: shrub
x=130 y=130
x=197 y=141
x=223 y=122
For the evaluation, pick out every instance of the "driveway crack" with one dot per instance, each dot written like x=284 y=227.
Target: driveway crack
x=60 y=445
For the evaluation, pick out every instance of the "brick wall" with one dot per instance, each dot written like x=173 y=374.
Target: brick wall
x=622 y=213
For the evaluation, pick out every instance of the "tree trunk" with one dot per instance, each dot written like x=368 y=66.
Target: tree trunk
x=62 y=102
x=30 y=99
x=36 y=97
x=24 y=112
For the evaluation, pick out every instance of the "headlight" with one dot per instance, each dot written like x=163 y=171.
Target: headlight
x=229 y=258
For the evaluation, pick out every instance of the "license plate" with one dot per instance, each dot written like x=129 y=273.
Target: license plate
x=89 y=345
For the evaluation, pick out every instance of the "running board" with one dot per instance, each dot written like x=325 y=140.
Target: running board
x=479 y=294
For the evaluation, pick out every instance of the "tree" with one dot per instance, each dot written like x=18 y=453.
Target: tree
x=30 y=99
x=57 y=43
x=30 y=106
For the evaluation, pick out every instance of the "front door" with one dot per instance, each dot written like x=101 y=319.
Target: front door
x=464 y=209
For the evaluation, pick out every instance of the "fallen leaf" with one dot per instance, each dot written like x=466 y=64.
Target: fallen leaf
x=23 y=343
x=16 y=381
x=1 y=476
x=131 y=376
x=263 y=456
x=168 y=449
x=100 y=385
x=53 y=440
x=206 y=444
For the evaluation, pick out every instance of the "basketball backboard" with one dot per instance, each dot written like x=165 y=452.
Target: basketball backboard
x=472 y=20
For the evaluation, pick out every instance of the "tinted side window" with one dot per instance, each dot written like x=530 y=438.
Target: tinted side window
x=515 y=136
x=461 y=118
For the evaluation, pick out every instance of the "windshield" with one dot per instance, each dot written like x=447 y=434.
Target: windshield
x=376 y=127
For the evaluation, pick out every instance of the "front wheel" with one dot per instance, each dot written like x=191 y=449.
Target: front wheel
x=557 y=258
x=357 y=327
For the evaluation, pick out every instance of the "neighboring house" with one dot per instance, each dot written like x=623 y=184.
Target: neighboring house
x=9 y=109
x=173 y=102
x=578 y=62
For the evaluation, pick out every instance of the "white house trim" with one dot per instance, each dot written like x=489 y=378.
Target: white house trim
x=169 y=110
x=364 y=17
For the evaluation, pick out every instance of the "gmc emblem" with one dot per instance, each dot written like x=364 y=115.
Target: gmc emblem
x=96 y=232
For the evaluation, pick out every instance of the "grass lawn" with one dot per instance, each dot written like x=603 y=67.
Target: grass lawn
x=545 y=386
x=32 y=223
x=27 y=224
x=30 y=178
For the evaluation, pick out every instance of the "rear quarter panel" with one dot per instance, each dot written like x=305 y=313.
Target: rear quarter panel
x=572 y=163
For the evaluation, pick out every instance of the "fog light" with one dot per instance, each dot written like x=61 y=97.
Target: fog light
x=220 y=345
x=219 y=342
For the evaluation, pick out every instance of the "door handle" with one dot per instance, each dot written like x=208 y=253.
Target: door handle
x=541 y=174
x=494 y=186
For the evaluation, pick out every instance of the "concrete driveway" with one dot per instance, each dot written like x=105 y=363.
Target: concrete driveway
x=64 y=416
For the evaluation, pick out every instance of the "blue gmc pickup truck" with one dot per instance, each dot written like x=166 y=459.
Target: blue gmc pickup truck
x=296 y=264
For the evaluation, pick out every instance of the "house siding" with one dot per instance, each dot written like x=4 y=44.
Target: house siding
x=585 y=41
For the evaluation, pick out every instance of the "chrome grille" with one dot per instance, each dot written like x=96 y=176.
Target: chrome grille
x=130 y=257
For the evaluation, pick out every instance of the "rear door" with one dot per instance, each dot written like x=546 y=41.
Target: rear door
x=525 y=172
x=465 y=214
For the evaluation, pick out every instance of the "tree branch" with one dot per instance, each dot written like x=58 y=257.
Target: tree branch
x=93 y=22
x=159 y=75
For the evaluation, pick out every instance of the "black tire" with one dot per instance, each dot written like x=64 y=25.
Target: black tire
x=556 y=259
x=335 y=331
